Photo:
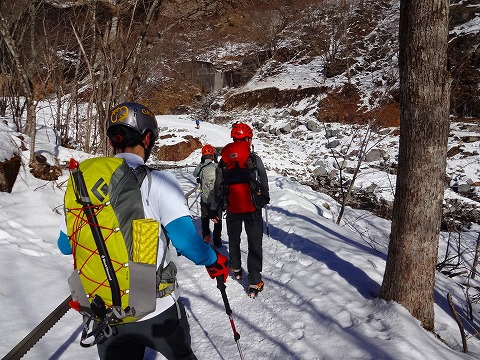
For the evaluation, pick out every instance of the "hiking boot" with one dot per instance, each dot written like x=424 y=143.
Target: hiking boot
x=237 y=274
x=207 y=239
x=253 y=290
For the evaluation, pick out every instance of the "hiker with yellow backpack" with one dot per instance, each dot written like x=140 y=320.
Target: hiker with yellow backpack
x=120 y=217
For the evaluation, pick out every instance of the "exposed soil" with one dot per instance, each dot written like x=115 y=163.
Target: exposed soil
x=180 y=150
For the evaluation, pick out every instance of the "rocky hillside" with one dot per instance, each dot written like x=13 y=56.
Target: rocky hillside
x=351 y=46
x=197 y=48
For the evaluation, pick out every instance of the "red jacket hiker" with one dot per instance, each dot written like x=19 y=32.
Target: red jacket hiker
x=238 y=173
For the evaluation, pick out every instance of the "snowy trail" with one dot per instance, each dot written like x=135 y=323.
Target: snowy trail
x=284 y=321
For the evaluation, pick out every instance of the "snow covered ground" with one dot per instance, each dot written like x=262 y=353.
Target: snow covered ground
x=321 y=280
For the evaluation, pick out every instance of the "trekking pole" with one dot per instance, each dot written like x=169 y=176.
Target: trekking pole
x=221 y=286
x=266 y=220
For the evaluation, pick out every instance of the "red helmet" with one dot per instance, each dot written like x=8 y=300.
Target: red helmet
x=241 y=131
x=208 y=150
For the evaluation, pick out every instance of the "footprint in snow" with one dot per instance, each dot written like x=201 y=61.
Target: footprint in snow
x=298 y=331
x=17 y=226
x=31 y=252
x=285 y=278
x=345 y=319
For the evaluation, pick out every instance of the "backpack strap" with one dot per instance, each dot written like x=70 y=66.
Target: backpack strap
x=252 y=162
x=221 y=190
x=252 y=165
x=165 y=251
x=202 y=167
x=166 y=276
x=143 y=171
x=260 y=196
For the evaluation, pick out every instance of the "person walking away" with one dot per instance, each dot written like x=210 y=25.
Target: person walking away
x=132 y=130
x=205 y=174
x=233 y=191
x=197 y=123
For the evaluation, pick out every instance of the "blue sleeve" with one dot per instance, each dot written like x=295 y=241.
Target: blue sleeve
x=188 y=243
x=64 y=244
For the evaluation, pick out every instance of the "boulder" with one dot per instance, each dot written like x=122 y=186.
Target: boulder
x=8 y=173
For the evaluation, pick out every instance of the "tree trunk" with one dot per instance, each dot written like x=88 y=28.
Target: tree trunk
x=31 y=127
x=424 y=126
x=24 y=77
x=475 y=258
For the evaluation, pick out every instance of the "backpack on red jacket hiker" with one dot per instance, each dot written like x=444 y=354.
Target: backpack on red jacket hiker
x=242 y=190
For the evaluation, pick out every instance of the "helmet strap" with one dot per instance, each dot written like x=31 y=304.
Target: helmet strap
x=148 y=149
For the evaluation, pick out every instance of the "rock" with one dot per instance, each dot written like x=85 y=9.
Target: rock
x=333 y=174
x=371 y=188
x=313 y=125
x=42 y=170
x=180 y=150
x=374 y=155
x=8 y=173
x=470 y=139
x=321 y=170
x=332 y=144
x=286 y=129
x=329 y=133
x=464 y=188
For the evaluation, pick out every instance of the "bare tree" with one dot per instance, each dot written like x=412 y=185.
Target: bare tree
x=112 y=52
x=23 y=70
x=270 y=24
x=424 y=126
x=14 y=100
x=327 y=31
x=346 y=188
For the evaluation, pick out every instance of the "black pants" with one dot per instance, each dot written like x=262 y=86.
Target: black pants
x=217 y=227
x=164 y=333
x=253 y=224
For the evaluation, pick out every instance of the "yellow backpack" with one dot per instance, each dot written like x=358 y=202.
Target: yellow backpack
x=114 y=247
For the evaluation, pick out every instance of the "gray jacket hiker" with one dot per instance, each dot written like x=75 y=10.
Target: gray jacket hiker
x=205 y=174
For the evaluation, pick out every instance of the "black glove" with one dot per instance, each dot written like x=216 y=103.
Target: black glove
x=213 y=214
x=219 y=268
x=198 y=180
